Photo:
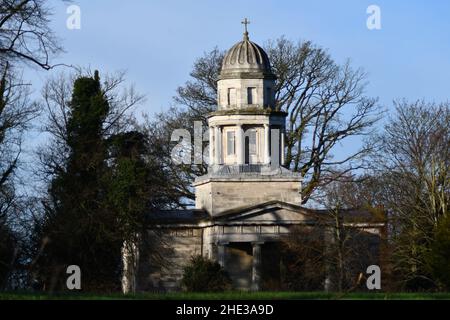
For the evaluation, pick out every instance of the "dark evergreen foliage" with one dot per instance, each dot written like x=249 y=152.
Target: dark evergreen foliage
x=204 y=275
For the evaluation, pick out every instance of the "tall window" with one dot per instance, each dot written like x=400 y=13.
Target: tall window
x=231 y=96
x=230 y=143
x=251 y=95
x=268 y=96
x=251 y=146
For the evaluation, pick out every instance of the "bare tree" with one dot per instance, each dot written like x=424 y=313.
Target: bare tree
x=412 y=163
x=304 y=258
x=179 y=175
x=334 y=253
x=16 y=113
x=25 y=38
x=351 y=245
x=25 y=35
x=200 y=93
x=325 y=102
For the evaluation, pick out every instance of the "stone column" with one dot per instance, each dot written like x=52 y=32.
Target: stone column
x=219 y=138
x=240 y=145
x=211 y=146
x=266 y=144
x=328 y=247
x=216 y=145
x=221 y=254
x=256 y=269
x=282 y=146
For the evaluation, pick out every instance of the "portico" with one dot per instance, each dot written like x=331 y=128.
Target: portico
x=255 y=274
x=238 y=239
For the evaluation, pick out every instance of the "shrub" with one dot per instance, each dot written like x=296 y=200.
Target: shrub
x=202 y=275
x=439 y=257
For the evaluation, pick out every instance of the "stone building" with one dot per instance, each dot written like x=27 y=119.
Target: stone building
x=247 y=202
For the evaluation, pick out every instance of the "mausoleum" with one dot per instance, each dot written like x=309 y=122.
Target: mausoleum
x=247 y=202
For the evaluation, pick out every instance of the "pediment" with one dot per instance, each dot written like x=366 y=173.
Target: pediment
x=269 y=212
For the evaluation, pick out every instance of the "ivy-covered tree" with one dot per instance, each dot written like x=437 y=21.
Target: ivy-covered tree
x=105 y=176
x=77 y=230
x=439 y=257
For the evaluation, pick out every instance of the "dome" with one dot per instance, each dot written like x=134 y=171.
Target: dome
x=246 y=58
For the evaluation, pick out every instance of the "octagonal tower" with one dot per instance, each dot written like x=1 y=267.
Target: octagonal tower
x=246 y=136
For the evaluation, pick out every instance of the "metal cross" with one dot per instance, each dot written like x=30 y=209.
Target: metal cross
x=245 y=22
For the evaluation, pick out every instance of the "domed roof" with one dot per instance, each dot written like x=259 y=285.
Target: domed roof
x=246 y=58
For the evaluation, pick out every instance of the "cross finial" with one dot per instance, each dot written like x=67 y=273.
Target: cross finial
x=245 y=22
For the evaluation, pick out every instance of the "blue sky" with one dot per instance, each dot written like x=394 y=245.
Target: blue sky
x=157 y=41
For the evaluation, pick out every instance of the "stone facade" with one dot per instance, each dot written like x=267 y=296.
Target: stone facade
x=247 y=203
x=216 y=195
x=242 y=240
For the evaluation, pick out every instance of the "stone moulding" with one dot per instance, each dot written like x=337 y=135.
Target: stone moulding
x=248 y=111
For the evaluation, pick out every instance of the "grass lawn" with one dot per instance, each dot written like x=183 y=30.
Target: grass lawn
x=228 y=296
